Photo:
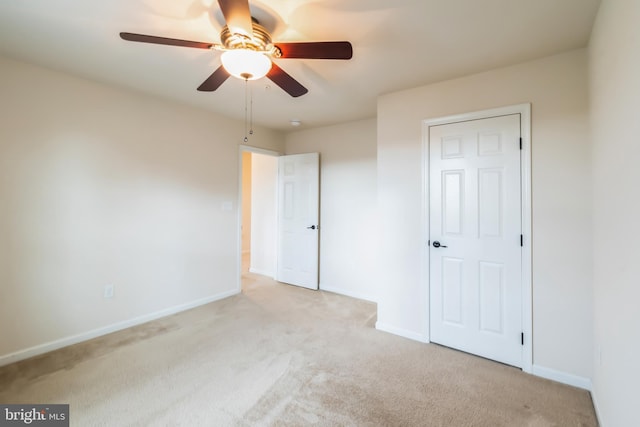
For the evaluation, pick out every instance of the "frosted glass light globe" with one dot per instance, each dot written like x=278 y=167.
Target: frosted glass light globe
x=246 y=64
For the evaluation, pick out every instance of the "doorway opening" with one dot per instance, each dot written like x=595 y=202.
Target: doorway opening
x=278 y=233
x=258 y=212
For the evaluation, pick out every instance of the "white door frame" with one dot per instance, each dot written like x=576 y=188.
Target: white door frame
x=525 y=181
x=242 y=149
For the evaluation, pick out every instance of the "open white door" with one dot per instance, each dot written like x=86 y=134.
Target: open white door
x=298 y=212
x=475 y=223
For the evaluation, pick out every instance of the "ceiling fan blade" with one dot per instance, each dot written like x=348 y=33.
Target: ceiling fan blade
x=316 y=50
x=143 y=38
x=238 y=16
x=286 y=82
x=214 y=81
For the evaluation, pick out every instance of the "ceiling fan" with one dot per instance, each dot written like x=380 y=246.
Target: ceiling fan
x=248 y=52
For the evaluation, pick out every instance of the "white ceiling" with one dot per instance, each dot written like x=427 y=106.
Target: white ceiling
x=397 y=45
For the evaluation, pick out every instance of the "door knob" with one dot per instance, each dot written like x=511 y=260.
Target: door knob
x=313 y=227
x=437 y=244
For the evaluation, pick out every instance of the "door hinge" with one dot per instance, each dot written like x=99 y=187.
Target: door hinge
x=522 y=338
x=521 y=240
x=521 y=143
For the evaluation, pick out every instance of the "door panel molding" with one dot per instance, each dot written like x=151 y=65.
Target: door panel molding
x=525 y=183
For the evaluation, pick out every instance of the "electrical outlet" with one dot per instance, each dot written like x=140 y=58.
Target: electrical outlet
x=108 y=291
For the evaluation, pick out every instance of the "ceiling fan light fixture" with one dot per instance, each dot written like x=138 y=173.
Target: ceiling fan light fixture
x=246 y=64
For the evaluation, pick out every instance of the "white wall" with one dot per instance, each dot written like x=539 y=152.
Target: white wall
x=101 y=186
x=348 y=231
x=614 y=59
x=561 y=199
x=264 y=218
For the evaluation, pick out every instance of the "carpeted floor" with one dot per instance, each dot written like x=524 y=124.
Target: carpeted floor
x=278 y=355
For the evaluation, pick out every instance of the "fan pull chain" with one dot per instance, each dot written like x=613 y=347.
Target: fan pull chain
x=251 y=111
x=246 y=86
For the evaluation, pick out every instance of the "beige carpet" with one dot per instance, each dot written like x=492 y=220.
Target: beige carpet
x=278 y=355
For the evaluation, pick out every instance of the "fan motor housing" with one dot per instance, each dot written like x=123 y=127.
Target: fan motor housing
x=260 y=40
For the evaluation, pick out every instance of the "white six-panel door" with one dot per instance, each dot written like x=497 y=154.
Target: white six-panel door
x=475 y=228
x=298 y=213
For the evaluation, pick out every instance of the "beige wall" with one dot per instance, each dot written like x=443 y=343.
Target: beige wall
x=614 y=59
x=556 y=87
x=101 y=186
x=348 y=204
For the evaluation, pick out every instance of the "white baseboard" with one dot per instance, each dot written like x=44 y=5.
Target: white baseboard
x=402 y=332
x=267 y=273
x=561 y=377
x=74 y=339
x=348 y=293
